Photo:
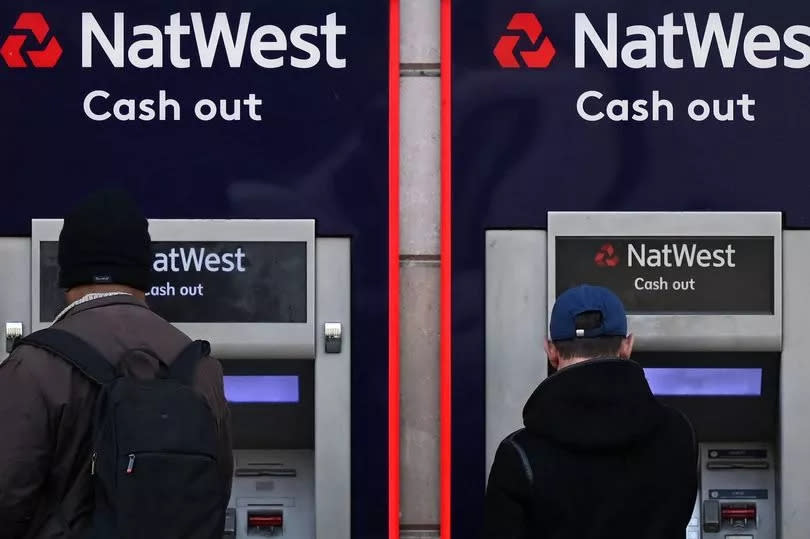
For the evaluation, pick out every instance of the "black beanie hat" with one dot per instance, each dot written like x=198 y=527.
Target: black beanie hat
x=105 y=240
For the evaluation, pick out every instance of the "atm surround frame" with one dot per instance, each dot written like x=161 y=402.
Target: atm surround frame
x=287 y=431
x=329 y=299
x=758 y=418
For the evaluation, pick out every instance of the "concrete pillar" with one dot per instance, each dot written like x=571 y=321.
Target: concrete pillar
x=419 y=268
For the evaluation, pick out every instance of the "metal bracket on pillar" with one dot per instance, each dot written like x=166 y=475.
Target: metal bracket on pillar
x=14 y=331
x=333 y=337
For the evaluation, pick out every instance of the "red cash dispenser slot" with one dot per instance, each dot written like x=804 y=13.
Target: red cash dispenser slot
x=744 y=514
x=265 y=523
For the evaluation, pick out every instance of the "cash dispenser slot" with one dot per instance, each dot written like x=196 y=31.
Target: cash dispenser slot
x=265 y=522
x=265 y=472
x=738 y=511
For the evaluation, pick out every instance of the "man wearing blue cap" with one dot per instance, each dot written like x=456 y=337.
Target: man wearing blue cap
x=599 y=456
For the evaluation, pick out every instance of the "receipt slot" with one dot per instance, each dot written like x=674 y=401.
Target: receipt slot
x=718 y=305
x=274 y=302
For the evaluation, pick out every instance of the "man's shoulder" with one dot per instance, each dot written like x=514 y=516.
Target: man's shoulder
x=513 y=440
x=33 y=370
x=522 y=446
x=30 y=359
x=114 y=328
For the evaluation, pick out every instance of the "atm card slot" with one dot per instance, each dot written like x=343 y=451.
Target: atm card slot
x=266 y=472
x=739 y=465
x=248 y=503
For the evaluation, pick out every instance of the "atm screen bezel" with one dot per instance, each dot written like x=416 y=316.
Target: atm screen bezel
x=725 y=418
x=274 y=425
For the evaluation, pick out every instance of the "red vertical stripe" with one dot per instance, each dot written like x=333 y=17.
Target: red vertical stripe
x=393 y=271
x=446 y=275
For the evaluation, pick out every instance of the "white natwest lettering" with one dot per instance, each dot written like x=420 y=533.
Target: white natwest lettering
x=762 y=45
x=269 y=45
x=193 y=259
x=679 y=255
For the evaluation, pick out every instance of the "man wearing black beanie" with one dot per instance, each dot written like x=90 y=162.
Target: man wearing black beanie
x=47 y=404
x=105 y=241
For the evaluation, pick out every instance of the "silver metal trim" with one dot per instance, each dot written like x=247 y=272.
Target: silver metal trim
x=14 y=331
x=333 y=394
x=515 y=301
x=684 y=332
x=228 y=340
x=333 y=337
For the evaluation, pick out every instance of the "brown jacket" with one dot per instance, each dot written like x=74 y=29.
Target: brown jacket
x=46 y=413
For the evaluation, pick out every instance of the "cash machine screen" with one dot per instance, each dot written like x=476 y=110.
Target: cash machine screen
x=208 y=282
x=704 y=381
x=272 y=403
x=256 y=389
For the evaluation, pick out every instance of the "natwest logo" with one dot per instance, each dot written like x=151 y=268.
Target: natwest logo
x=679 y=255
x=677 y=41
x=639 y=46
x=14 y=50
x=606 y=256
x=526 y=24
x=268 y=46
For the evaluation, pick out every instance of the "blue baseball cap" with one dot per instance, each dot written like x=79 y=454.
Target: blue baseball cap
x=585 y=298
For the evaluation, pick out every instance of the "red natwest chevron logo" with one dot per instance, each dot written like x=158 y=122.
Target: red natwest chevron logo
x=12 y=49
x=606 y=256
x=530 y=26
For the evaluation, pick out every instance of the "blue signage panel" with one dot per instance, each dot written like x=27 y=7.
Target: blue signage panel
x=216 y=109
x=610 y=105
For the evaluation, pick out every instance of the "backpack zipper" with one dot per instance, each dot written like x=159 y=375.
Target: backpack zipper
x=93 y=463
x=131 y=462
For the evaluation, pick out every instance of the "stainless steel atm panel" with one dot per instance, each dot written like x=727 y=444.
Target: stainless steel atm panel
x=738 y=490
x=282 y=331
x=734 y=309
x=273 y=494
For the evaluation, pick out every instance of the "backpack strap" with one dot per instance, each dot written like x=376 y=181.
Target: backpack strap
x=75 y=351
x=182 y=369
x=524 y=458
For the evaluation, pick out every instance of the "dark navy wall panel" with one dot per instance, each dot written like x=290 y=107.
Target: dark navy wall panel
x=520 y=149
x=319 y=152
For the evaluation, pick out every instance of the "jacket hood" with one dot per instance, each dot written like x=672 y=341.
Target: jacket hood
x=593 y=405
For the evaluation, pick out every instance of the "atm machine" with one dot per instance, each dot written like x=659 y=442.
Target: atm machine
x=274 y=302
x=718 y=303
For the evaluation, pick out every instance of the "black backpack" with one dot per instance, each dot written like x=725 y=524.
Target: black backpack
x=154 y=446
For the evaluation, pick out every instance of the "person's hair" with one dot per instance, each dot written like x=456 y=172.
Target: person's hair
x=589 y=347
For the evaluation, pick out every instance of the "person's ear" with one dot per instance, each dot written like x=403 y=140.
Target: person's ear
x=626 y=348
x=552 y=353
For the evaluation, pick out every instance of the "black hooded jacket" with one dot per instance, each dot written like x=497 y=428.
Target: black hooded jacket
x=600 y=458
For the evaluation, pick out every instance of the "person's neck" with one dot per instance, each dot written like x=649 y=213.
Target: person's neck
x=78 y=292
x=575 y=360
